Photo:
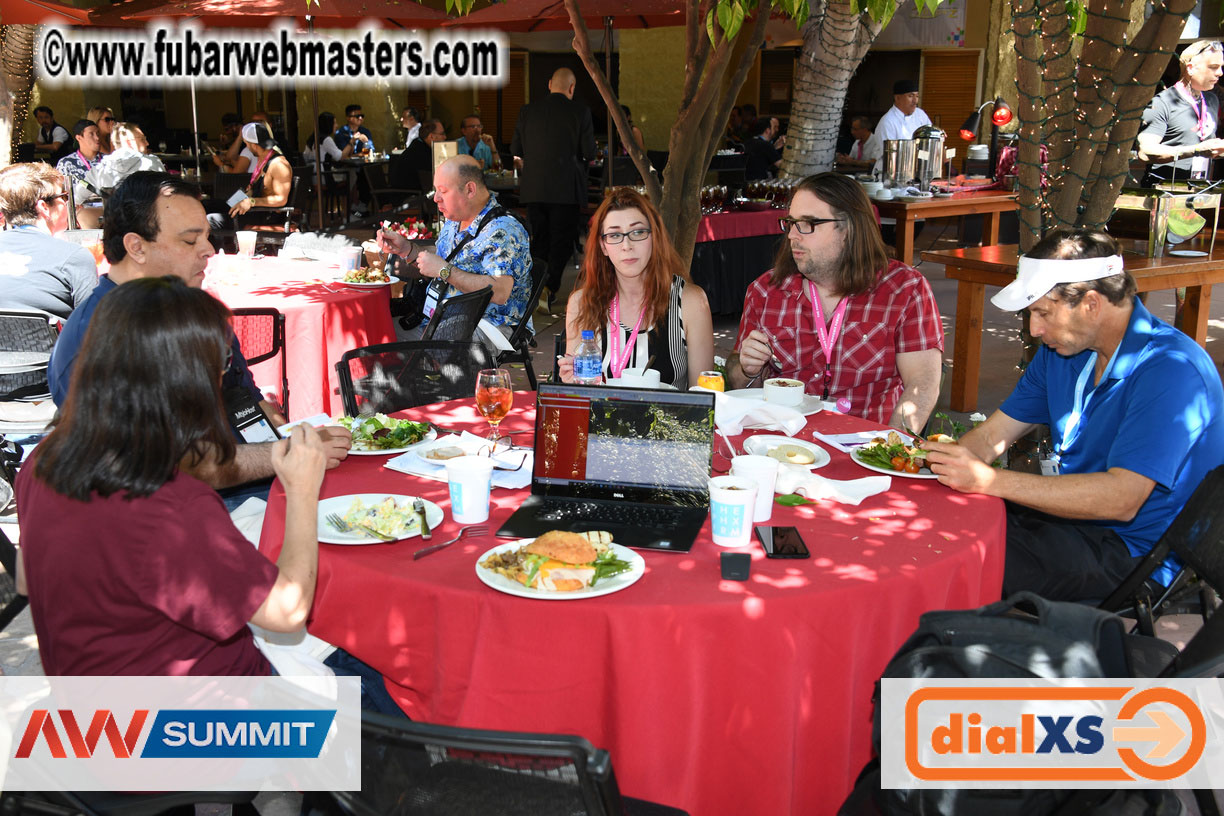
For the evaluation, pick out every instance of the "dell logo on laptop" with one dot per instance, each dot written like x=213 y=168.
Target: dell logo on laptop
x=618 y=495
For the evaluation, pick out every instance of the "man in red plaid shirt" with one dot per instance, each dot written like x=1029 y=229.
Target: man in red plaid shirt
x=838 y=315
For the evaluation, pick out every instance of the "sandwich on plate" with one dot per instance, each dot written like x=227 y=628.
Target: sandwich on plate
x=560 y=561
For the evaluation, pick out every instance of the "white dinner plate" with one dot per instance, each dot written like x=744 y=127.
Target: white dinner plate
x=889 y=471
x=617 y=382
x=761 y=444
x=1188 y=253
x=429 y=437
x=357 y=285
x=341 y=504
x=605 y=587
x=807 y=406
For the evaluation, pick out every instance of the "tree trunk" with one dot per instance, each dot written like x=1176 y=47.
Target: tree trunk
x=16 y=83
x=835 y=40
x=705 y=103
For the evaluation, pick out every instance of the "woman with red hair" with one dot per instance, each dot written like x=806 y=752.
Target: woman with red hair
x=636 y=295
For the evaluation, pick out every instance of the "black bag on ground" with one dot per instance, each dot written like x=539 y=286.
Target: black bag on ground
x=1023 y=637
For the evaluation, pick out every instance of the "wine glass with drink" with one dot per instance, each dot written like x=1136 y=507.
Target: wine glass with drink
x=493 y=399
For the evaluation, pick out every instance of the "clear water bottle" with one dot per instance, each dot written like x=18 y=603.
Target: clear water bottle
x=588 y=360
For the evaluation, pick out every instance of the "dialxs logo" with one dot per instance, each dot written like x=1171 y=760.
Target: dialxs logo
x=271 y=733
x=1047 y=735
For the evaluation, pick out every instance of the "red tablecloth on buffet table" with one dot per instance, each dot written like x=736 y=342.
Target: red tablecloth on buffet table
x=323 y=319
x=715 y=696
x=739 y=224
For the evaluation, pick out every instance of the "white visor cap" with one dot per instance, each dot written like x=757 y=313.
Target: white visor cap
x=1037 y=276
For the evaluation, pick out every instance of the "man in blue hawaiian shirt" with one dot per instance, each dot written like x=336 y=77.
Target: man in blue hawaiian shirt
x=492 y=247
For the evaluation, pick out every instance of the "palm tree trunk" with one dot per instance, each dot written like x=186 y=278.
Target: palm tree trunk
x=835 y=40
x=16 y=83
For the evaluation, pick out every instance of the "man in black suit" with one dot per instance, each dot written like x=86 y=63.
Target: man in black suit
x=553 y=141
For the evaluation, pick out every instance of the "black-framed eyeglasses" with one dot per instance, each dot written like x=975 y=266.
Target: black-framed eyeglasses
x=806 y=226
x=50 y=198
x=633 y=235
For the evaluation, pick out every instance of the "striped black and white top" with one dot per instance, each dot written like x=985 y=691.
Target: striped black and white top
x=666 y=343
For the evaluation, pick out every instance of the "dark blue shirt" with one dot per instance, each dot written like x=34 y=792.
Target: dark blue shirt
x=344 y=134
x=1156 y=412
x=68 y=346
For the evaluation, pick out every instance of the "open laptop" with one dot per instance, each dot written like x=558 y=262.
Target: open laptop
x=632 y=461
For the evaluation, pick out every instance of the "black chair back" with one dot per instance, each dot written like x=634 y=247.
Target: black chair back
x=520 y=337
x=624 y=173
x=261 y=334
x=226 y=184
x=25 y=330
x=456 y=317
x=393 y=376
x=429 y=770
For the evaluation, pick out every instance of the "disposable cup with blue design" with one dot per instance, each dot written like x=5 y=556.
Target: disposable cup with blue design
x=470 y=478
x=732 y=504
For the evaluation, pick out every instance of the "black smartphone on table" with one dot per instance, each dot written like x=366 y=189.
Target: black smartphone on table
x=782 y=542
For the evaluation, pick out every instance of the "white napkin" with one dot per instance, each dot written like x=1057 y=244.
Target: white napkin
x=291 y=653
x=847 y=442
x=416 y=465
x=733 y=414
x=797 y=479
x=494 y=335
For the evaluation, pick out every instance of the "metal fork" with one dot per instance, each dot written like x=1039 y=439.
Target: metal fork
x=343 y=526
x=478 y=530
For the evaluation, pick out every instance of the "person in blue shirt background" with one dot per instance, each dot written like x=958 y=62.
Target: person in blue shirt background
x=353 y=129
x=1134 y=409
x=474 y=143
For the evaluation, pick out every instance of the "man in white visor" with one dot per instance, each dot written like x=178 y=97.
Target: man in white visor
x=1133 y=407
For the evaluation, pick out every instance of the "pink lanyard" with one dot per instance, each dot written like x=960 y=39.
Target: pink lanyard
x=827 y=335
x=259 y=168
x=1204 y=128
x=617 y=361
x=860 y=150
x=88 y=166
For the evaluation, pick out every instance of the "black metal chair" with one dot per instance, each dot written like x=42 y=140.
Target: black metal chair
x=456 y=317
x=431 y=770
x=291 y=214
x=522 y=335
x=261 y=334
x=1196 y=536
x=11 y=601
x=393 y=376
x=25 y=334
x=387 y=201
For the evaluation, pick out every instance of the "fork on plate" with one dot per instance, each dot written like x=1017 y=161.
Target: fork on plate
x=336 y=521
x=478 y=530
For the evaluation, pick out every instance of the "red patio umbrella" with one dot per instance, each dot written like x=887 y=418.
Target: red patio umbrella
x=32 y=12
x=550 y=15
x=329 y=13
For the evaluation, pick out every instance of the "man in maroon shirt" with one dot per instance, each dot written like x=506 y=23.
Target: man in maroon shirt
x=838 y=315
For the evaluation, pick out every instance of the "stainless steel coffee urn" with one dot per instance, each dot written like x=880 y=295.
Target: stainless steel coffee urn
x=898 y=167
x=928 y=155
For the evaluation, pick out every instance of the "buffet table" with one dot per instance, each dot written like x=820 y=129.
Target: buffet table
x=323 y=319
x=733 y=249
x=990 y=203
x=715 y=696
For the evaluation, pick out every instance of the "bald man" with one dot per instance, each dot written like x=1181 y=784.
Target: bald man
x=553 y=141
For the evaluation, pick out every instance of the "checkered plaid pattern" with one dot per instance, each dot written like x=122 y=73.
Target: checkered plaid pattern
x=897 y=315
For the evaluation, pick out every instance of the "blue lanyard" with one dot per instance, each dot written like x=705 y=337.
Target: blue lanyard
x=1081 y=402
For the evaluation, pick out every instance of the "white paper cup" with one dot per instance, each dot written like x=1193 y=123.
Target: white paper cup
x=732 y=502
x=246 y=242
x=762 y=470
x=783 y=391
x=470 y=479
x=350 y=258
x=640 y=377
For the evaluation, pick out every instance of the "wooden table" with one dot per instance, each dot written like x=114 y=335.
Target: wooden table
x=989 y=203
x=975 y=268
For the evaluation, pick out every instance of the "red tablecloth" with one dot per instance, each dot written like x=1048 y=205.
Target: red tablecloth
x=716 y=696
x=739 y=224
x=323 y=319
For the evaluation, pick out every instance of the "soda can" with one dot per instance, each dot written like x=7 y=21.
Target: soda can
x=712 y=380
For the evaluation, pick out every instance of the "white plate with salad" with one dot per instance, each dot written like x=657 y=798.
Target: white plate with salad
x=388 y=513
x=894 y=457
x=606 y=586
x=400 y=435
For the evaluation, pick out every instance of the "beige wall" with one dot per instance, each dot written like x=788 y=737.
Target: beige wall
x=651 y=75
x=69 y=104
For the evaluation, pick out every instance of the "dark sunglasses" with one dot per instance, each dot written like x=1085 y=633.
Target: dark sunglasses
x=51 y=198
x=357 y=116
x=107 y=119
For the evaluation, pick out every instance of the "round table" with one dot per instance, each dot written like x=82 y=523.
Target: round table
x=716 y=696
x=323 y=319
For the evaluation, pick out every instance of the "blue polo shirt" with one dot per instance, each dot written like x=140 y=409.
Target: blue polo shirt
x=480 y=152
x=1156 y=412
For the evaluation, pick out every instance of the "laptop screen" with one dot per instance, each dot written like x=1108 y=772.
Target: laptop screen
x=623 y=443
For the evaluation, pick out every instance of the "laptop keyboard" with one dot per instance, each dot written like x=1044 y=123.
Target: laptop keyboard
x=645 y=515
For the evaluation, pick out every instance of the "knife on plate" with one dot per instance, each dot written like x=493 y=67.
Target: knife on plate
x=419 y=507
